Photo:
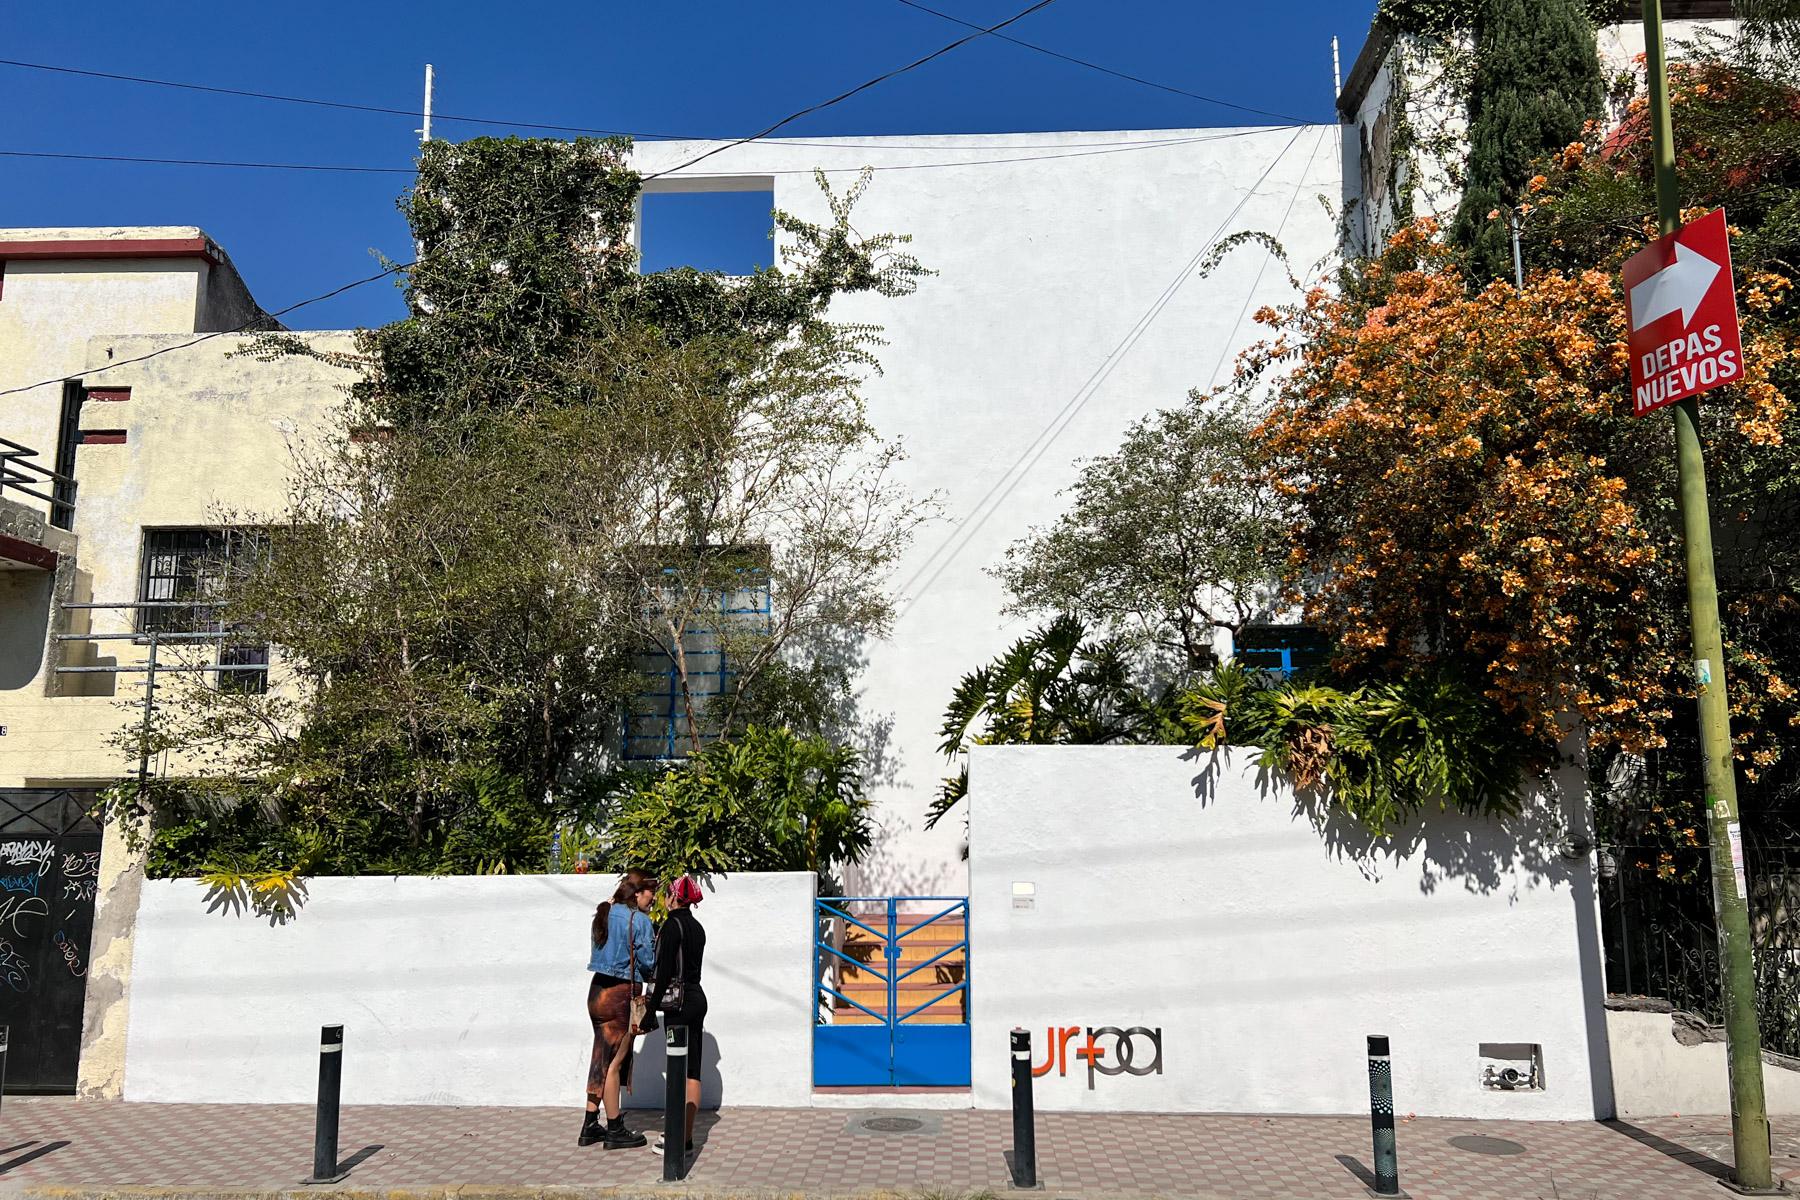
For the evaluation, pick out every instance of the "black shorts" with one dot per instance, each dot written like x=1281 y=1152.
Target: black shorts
x=692 y=1017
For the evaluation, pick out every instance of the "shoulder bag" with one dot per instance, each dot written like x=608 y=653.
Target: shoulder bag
x=640 y=1004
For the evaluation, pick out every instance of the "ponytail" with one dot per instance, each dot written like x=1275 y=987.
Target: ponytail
x=630 y=884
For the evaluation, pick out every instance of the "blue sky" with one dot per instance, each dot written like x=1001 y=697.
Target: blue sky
x=714 y=68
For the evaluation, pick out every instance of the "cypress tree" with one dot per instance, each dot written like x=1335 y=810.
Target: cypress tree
x=1537 y=81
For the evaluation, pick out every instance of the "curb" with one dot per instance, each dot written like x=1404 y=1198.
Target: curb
x=648 y=1191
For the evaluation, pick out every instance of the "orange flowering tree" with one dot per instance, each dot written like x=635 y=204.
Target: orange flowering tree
x=1474 y=494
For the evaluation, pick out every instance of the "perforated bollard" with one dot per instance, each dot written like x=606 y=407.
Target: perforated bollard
x=1024 y=1116
x=675 y=1105
x=1381 y=1117
x=325 y=1124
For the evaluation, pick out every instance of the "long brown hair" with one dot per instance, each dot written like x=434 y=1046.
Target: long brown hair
x=630 y=884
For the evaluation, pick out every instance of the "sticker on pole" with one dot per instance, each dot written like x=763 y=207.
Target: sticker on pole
x=1682 y=309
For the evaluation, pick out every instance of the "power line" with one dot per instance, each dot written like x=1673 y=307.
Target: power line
x=315 y=101
x=861 y=87
x=1081 y=151
x=1225 y=347
x=504 y=122
x=207 y=337
x=1041 y=444
x=1105 y=70
x=205 y=162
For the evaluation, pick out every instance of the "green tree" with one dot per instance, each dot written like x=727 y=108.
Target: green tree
x=550 y=475
x=1053 y=687
x=1537 y=82
x=1167 y=540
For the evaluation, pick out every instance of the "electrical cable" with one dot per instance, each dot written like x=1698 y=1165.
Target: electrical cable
x=205 y=162
x=861 y=87
x=1299 y=186
x=1040 y=445
x=503 y=122
x=1094 y=66
x=1108 y=148
x=314 y=101
x=207 y=337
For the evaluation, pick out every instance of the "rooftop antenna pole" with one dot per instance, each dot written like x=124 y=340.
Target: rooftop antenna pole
x=425 y=133
x=1337 y=72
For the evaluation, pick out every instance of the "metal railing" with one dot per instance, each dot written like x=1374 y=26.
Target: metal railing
x=21 y=472
x=1660 y=939
x=151 y=668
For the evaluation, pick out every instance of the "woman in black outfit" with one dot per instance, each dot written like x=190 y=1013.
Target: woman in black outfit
x=680 y=947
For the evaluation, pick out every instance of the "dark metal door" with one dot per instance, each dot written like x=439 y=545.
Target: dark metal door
x=49 y=869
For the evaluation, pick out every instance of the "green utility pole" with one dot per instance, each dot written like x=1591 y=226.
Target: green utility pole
x=1749 y=1117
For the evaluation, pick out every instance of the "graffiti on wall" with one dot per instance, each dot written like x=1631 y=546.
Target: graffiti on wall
x=1109 y=1050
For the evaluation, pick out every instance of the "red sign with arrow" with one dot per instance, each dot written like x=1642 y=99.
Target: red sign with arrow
x=1682 y=309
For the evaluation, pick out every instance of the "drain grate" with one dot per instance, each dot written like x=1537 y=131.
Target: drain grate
x=892 y=1124
x=1477 y=1144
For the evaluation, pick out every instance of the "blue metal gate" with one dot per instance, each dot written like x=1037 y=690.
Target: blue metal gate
x=891 y=980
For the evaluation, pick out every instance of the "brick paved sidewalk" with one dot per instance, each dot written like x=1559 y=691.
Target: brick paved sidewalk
x=92 y=1147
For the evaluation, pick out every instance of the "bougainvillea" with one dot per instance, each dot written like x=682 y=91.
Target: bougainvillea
x=1473 y=490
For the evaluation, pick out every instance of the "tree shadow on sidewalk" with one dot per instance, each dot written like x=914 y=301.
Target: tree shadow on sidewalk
x=1675 y=1150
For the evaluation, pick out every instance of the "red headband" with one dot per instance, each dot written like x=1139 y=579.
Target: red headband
x=686 y=891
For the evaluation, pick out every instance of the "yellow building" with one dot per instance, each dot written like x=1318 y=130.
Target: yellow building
x=129 y=420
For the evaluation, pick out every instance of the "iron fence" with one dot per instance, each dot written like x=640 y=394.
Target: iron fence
x=1661 y=942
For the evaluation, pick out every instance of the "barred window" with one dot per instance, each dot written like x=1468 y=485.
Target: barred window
x=715 y=635
x=183 y=569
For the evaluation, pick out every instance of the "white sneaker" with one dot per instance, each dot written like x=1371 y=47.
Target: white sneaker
x=658 y=1145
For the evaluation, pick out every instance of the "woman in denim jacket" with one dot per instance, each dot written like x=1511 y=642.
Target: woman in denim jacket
x=623 y=959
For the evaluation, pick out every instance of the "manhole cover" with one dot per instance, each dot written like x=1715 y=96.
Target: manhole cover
x=1476 y=1144
x=892 y=1124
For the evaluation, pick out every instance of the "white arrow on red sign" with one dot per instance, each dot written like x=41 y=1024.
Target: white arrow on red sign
x=1679 y=287
x=1682 y=311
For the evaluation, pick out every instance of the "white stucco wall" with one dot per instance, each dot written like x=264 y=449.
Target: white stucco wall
x=1184 y=892
x=1018 y=359
x=463 y=990
x=1654 y=1075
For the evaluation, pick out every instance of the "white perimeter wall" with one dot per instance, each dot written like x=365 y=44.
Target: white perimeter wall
x=1654 y=1075
x=1266 y=946
x=462 y=990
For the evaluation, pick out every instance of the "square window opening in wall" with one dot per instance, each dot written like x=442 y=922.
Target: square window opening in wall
x=1511 y=1066
x=731 y=232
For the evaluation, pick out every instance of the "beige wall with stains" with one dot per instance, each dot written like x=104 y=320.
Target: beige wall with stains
x=205 y=425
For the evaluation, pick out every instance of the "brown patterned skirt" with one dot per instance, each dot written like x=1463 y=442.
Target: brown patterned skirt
x=609 y=1008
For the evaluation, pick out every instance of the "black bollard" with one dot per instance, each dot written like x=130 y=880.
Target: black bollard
x=675 y=1105
x=325 y=1126
x=5 y=1037
x=1381 y=1117
x=1024 y=1162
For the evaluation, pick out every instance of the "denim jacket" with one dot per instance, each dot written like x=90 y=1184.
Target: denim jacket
x=624 y=924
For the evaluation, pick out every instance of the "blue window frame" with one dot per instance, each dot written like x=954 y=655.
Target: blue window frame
x=1282 y=649
x=655 y=723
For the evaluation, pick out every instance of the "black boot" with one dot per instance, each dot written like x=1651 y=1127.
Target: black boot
x=590 y=1129
x=618 y=1137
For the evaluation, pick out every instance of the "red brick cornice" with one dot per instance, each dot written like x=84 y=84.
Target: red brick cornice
x=30 y=553
x=199 y=247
